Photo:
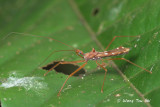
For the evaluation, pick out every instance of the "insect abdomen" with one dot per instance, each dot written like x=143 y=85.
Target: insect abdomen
x=114 y=52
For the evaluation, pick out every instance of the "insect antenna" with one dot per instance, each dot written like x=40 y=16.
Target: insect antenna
x=25 y=34
x=55 y=51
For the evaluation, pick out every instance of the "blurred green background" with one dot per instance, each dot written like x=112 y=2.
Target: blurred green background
x=83 y=24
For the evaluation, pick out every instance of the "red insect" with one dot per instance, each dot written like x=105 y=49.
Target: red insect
x=93 y=55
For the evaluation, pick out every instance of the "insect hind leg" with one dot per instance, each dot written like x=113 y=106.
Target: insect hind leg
x=130 y=63
x=115 y=38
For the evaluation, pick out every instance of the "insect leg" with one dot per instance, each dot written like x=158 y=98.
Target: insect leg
x=70 y=76
x=52 y=54
x=129 y=62
x=115 y=38
x=104 y=75
x=65 y=62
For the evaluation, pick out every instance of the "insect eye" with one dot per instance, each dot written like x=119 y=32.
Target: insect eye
x=80 y=52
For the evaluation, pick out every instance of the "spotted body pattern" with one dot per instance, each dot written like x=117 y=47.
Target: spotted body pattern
x=94 y=55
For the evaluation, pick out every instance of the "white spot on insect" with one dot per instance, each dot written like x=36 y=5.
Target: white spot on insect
x=117 y=48
x=122 y=47
x=106 y=53
x=93 y=58
x=98 y=57
x=113 y=53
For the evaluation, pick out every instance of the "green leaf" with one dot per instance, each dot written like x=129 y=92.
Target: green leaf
x=82 y=24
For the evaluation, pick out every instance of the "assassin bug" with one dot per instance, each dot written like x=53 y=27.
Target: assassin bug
x=93 y=55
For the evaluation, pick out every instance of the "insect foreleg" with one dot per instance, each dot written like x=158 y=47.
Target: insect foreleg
x=70 y=76
x=63 y=62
